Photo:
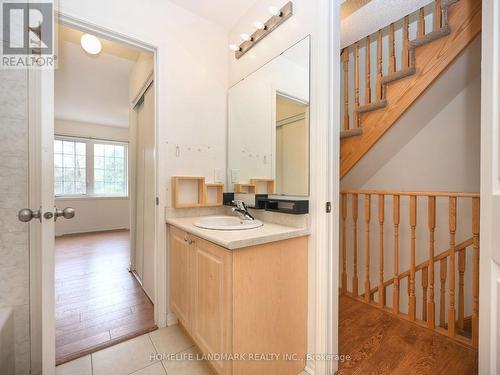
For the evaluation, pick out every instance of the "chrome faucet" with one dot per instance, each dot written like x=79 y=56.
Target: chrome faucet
x=241 y=209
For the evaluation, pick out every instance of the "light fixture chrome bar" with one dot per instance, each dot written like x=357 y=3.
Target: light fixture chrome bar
x=271 y=24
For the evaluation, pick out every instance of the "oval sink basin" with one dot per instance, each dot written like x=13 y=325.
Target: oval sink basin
x=226 y=223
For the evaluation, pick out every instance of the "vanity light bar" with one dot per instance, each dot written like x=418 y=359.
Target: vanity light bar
x=272 y=23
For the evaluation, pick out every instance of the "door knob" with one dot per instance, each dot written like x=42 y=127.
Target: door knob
x=67 y=213
x=25 y=215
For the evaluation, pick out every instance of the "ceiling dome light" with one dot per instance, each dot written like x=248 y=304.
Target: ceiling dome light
x=259 y=25
x=91 y=44
x=274 y=11
x=234 y=47
x=245 y=37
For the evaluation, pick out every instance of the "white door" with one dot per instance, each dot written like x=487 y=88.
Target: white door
x=26 y=248
x=26 y=211
x=145 y=193
x=489 y=295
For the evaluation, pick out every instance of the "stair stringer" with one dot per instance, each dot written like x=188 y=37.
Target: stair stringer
x=431 y=60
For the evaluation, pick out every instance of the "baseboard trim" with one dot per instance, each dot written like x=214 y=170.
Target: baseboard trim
x=309 y=369
x=172 y=319
x=93 y=230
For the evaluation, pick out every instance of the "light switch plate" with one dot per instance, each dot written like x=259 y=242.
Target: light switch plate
x=218 y=175
x=235 y=175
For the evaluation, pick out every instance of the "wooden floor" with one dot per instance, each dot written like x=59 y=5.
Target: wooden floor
x=98 y=302
x=379 y=343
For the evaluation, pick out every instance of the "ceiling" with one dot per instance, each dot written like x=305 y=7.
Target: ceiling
x=224 y=13
x=92 y=89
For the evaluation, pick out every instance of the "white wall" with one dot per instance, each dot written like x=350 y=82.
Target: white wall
x=435 y=146
x=93 y=214
x=307 y=20
x=85 y=129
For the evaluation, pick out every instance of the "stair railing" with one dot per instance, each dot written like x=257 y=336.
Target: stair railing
x=387 y=42
x=451 y=261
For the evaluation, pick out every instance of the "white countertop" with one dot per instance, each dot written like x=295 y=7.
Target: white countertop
x=237 y=239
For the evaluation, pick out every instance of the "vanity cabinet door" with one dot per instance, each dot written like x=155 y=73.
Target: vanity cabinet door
x=180 y=280
x=212 y=300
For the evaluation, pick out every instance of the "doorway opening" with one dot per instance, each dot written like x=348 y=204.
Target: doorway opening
x=410 y=202
x=105 y=179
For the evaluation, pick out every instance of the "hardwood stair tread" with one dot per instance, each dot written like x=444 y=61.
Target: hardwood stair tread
x=429 y=57
x=351 y=133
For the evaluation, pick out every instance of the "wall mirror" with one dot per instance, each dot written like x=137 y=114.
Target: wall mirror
x=268 y=127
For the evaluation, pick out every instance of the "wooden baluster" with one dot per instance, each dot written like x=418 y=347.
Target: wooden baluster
x=405 y=62
x=475 y=271
x=381 y=214
x=355 y=290
x=442 y=300
x=437 y=15
x=392 y=47
x=425 y=284
x=356 y=86
x=461 y=271
x=368 y=84
x=379 y=66
x=344 y=243
x=367 y=253
x=412 y=301
x=421 y=23
x=431 y=307
x=395 y=291
x=345 y=59
x=453 y=228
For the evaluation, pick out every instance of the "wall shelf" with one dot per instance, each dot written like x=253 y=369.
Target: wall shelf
x=263 y=185
x=244 y=188
x=213 y=191
x=193 y=192
x=188 y=191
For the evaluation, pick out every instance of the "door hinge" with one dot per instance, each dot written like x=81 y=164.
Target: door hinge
x=328 y=207
x=157 y=201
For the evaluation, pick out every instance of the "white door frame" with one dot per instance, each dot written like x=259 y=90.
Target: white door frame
x=45 y=113
x=325 y=106
x=489 y=282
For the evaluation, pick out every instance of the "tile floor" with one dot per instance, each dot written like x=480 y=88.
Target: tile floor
x=134 y=357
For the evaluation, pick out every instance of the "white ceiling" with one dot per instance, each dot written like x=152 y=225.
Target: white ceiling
x=224 y=13
x=92 y=89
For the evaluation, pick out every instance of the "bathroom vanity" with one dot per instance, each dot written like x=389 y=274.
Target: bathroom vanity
x=242 y=294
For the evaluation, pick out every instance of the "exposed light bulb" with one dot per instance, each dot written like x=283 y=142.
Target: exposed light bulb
x=91 y=44
x=245 y=37
x=259 y=25
x=274 y=11
x=234 y=47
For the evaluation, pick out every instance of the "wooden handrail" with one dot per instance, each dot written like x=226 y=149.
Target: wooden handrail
x=445 y=254
x=452 y=261
x=414 y=193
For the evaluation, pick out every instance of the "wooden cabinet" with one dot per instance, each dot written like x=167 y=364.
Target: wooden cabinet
x=250 y=301
x=180 y=281
x=211 y=300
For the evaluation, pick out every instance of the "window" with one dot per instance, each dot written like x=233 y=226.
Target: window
x=87 y=167
x=109 y=169
x=69 y=163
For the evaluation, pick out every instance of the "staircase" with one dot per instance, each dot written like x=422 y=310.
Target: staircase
x=401 y=270
x=399 y=79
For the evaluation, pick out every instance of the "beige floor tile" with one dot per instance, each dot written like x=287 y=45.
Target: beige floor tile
x=155 y=369
x=188 y=367
x=124 y=358
x=80 y=366
x=170 y=340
